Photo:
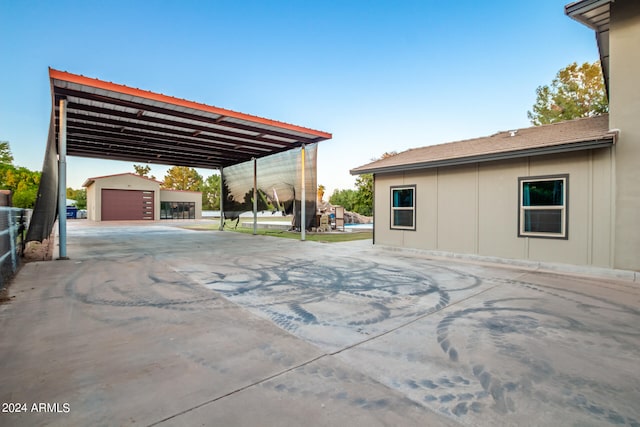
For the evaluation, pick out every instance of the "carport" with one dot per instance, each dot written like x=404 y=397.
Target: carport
x=100 y=119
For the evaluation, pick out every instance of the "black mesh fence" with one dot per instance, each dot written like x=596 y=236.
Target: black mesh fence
x=279 y=184
x=46 y=208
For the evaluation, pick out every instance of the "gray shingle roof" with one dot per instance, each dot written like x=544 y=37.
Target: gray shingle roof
x=578 y=134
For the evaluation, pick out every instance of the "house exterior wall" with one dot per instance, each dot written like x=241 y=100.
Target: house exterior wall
x=119 y=182
x=426 y=209
x=183 y=196
x=473 y=209
x=498 y=209
x=457 y=214
x=624 y=107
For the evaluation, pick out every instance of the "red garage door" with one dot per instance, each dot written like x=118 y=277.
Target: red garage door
x=119 y=205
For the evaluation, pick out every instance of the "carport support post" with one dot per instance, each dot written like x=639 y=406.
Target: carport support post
x=255 y=196
x=303 y=198
x=62 y=180
x=221 y=199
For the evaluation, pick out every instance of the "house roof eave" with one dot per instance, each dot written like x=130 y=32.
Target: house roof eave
x=482 y=158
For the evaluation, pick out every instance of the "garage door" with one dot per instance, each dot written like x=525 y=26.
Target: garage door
x=120 y=205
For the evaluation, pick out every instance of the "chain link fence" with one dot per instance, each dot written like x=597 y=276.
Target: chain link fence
x=13 y=225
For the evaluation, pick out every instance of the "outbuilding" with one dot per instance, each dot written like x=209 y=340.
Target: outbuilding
x=565 y=192
x=127 y=196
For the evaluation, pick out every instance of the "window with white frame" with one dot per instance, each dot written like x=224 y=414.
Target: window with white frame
x=543 y=206
x=403 y=207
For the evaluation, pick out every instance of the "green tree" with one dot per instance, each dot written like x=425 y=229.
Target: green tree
x=182 y=178
x=211 y=193
x=361 y=199
x=364 y=195
x=576 y=91
x=344 y=198
x=25 y=190
x=25 y=199
x=143 y=170
x=363 y=203
x=23 y=184
x=80 y=196
x=5 y=153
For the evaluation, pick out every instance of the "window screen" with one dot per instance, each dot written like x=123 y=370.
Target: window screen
x=543 y=206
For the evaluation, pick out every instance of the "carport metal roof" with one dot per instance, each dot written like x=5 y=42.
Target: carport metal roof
x=112 y=121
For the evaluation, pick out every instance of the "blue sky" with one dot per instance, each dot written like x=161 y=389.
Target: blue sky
x=378 y=75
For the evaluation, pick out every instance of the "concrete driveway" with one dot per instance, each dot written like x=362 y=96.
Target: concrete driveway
x=157 y=325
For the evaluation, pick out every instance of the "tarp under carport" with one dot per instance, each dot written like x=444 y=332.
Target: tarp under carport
x=99 y=119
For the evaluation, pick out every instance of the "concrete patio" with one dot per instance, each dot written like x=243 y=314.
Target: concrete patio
x=151 y=324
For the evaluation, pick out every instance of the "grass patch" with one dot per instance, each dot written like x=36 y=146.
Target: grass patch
x=313 y=237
